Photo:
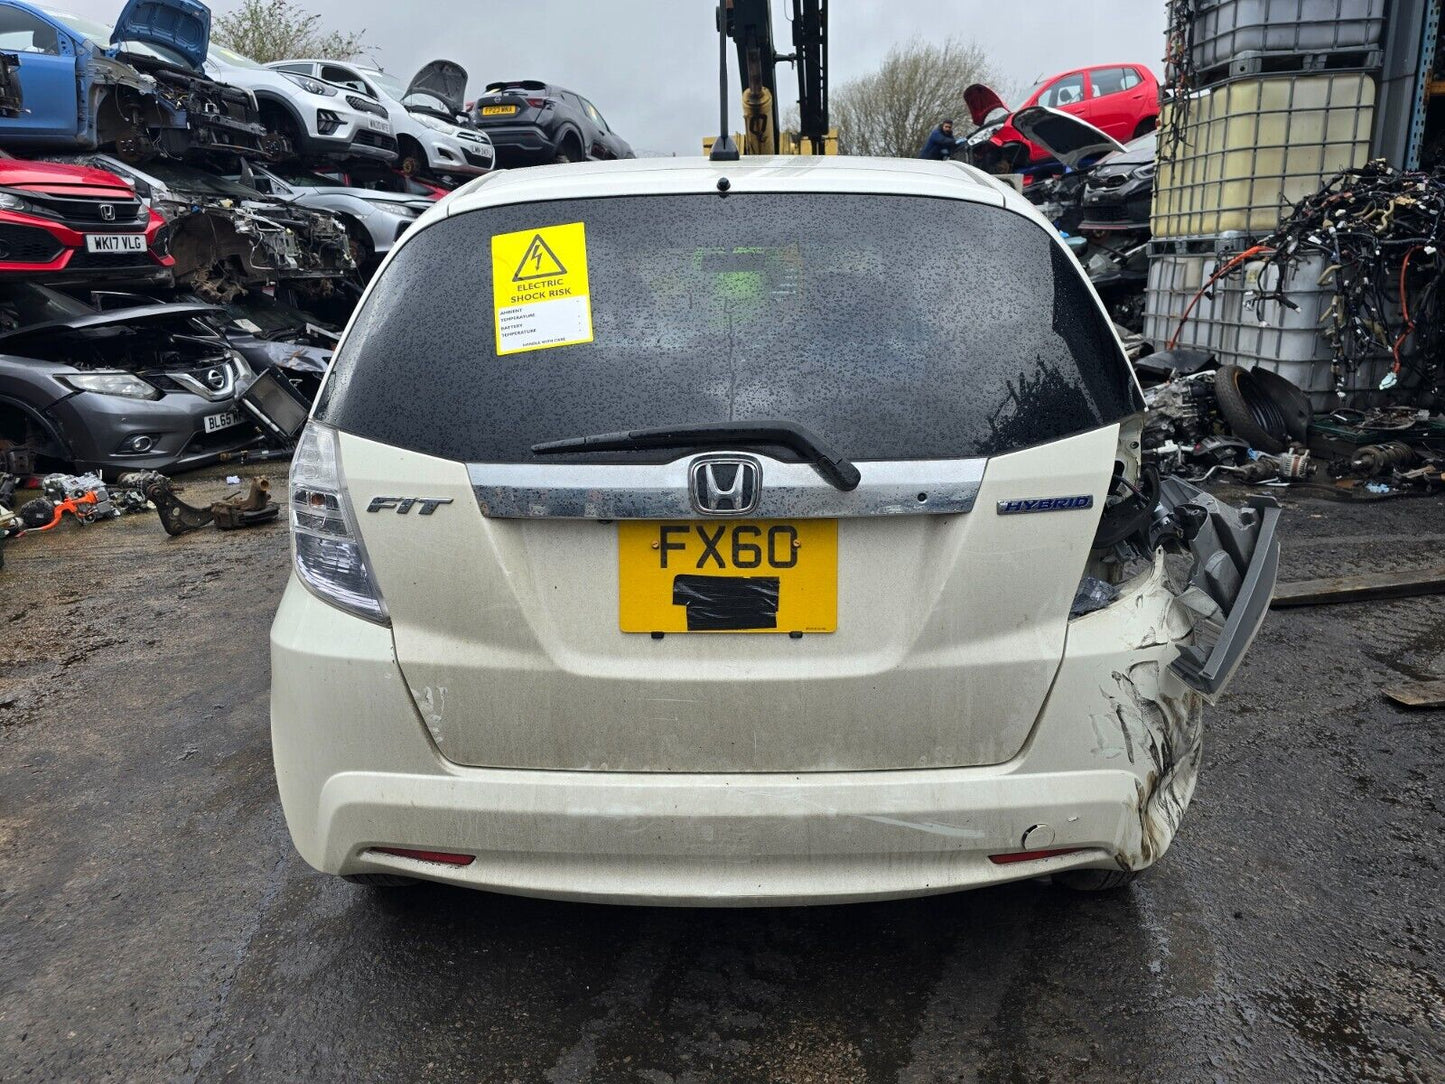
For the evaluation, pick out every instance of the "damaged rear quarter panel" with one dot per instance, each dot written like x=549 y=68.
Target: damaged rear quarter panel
x=1116 y=704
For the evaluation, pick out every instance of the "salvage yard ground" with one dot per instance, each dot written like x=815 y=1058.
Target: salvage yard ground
x=155 y=922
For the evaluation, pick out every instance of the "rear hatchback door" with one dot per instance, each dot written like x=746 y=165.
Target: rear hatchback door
x=512 y=103
x=722 y=605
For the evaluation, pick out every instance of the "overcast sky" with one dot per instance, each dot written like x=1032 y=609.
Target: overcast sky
x=651 y=65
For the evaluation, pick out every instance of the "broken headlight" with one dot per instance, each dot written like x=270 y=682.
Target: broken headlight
x=326 y=547
x=127 y=385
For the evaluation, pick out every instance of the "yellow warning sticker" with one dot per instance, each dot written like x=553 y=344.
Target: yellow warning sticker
x=539 y=279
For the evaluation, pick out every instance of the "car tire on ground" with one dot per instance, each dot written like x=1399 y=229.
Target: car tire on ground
x=380 y=880
x=1252 y=414
x=1096 y=880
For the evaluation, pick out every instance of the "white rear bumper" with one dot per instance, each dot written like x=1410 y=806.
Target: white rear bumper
x=357 y=769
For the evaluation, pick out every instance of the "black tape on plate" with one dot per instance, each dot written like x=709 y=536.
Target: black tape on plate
x=727 y=603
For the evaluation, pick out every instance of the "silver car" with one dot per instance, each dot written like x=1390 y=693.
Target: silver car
x=375 y=220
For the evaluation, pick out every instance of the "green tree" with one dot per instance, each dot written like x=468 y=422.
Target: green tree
x=890 y=112
x=267 y=30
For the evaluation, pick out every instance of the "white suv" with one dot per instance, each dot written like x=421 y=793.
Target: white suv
x=319 y=118
x=760 y=533
x=422 y=113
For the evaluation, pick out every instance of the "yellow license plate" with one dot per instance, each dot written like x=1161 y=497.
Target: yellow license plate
x=726 y=576
x=498 y=110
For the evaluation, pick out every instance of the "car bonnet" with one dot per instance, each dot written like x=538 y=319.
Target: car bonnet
x=183 y=26
x=1066 y=137
x=444 y=79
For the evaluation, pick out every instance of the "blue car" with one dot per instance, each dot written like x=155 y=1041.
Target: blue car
x=138 y=90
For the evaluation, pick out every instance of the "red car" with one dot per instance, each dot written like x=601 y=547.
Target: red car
x=64 y=223
x=1120 y=99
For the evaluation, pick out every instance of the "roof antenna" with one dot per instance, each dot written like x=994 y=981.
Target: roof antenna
x=724 y=149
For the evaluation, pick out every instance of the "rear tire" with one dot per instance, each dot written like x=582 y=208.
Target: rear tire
x=380 y=880
x=1096 y=880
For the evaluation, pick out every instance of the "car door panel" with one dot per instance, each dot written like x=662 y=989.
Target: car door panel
x=48 y=75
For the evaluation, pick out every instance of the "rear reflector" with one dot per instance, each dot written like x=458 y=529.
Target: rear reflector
x=1031 y=856
x=445 y=858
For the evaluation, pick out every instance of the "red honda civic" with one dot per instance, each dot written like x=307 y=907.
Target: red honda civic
x=68 y=223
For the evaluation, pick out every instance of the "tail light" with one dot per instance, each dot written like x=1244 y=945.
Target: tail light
x=326 y=547
x=537 y=103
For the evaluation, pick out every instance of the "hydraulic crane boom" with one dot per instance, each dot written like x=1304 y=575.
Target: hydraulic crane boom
x=749 y=23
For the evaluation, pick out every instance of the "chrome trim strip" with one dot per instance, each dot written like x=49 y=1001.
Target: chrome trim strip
x=660 y=490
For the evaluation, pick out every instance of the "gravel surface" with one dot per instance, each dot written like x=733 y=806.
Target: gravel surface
x=155 y=923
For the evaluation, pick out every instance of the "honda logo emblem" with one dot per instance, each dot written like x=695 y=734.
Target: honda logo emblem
x=726 y=485
x=107 y=212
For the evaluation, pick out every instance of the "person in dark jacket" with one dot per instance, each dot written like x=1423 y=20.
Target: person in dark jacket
x=940 y=143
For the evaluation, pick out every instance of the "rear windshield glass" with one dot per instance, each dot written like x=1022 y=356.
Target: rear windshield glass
x=892 y=327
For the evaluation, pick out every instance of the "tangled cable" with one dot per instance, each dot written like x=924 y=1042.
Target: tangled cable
x=1180 y=77
x=1380 y=232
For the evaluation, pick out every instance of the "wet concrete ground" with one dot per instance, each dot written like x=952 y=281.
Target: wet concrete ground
x=156 y=925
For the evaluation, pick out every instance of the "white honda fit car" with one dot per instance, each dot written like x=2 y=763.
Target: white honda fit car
x=749 y=533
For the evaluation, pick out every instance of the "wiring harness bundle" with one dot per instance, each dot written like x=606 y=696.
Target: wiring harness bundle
x=1180 y=77
x=1380 y=232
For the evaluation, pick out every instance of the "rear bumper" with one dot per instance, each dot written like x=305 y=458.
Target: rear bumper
x=1110 y=769
x=521 y=142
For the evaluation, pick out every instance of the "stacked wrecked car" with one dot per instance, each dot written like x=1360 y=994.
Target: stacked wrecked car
x=183 y=231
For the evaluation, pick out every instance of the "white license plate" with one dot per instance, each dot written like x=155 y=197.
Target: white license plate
x=379 y=126
x=115 y=242
x=215 y=422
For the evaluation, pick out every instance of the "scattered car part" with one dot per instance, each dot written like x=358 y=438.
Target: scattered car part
x=1378 y=459
x=276 y=407
x=1231 y=581
x=178 y=517
x=85 y=497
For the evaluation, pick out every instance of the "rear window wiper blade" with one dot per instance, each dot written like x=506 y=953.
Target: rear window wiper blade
x=835 y=469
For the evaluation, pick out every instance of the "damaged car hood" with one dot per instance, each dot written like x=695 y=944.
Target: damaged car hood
x=1065 y=136
x=444 y=79
x=160 y=313
x=183 y=26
